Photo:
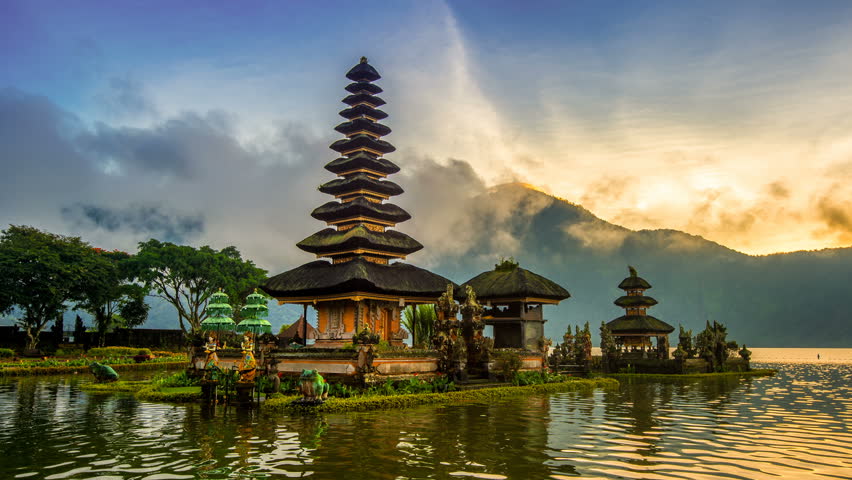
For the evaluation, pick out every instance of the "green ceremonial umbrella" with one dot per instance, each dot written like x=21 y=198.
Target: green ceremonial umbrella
x=218 y=314
x=254 y=315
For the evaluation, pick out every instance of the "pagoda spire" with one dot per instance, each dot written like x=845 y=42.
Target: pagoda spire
x=358 y=218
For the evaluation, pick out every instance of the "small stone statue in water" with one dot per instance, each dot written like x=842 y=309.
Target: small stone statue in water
x=313 y=387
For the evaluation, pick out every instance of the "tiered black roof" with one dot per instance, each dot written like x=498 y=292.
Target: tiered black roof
x=360 y=181
x=362 y=124
x=363 y=111
x=360 y=207
x=359 y=98
x=637 y=324
x=366 y=87
x=362 y=141
x=330 y=241
x=357 y=275
x=361 y=160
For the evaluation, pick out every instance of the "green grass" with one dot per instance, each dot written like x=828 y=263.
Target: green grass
x=115 y=387
x=169 y=394
x=377 y=402
x=60 y=368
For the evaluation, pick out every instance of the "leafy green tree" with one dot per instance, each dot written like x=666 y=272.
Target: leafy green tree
x=114 y=298
x=609 y=350
x=186 y=276
x=41 y=272
x=419 y=320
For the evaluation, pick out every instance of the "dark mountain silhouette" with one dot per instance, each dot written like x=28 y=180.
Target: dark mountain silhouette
x=783 y=300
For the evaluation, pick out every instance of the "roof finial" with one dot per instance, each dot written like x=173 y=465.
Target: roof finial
x=632 y=271
x=363 y=59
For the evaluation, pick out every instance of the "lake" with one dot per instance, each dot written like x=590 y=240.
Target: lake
x=795 y=425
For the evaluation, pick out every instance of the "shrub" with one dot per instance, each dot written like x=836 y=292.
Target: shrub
x=508 y=363
x=118 y=351
x=6 y=353
x=179 y=379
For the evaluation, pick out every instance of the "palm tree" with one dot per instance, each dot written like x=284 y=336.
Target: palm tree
x=419 y=320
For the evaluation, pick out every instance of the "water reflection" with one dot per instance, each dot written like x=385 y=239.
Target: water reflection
x=793 y=425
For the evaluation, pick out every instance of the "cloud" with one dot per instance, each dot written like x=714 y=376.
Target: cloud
x=125 y=97
x=598 y=235
x=150 y=221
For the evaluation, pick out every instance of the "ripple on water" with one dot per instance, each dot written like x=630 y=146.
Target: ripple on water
x=793 y=425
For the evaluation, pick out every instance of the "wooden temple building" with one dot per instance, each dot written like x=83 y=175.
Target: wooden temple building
x=635 y=330
x=514 y=298
x=359 y=280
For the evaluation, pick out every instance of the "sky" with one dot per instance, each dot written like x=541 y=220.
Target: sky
x=209 y=122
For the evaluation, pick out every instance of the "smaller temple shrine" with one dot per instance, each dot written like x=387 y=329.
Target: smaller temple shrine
x=634 y=331
x=513 y=299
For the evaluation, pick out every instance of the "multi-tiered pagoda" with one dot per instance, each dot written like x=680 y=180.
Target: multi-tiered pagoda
x=634 y=331
x=359 y=281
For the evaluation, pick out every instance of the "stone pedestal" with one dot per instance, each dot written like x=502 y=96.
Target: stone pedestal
x=208 y=390
x=244 y=391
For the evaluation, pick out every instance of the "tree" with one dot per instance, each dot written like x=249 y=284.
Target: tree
x=41 y=271
x=685 y=342
x=609 y=350
x=713 y=345
x=113 y=298
x=186 y=277
x=419 y=320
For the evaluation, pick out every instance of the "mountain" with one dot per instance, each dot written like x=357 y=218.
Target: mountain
x=783 y=300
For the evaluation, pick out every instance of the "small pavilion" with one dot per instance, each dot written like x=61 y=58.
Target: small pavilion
x=513 y=299
x=635 y=330
x=359 y=280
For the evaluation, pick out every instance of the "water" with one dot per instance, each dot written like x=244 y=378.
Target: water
x=795 y=425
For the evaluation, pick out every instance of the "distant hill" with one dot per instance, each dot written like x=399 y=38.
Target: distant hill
x=783 y=300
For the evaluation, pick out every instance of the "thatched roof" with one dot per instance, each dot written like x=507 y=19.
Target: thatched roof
x=357 y=275
x=359 y=141
x=299 y=328
x=357 y=98
x=635 y=301
x=361 y=160
x=330 y=240
x=360 y=207
x=362 y=124
x=638 y=324
x=363 y=72
x=362 y=110
x=512 y=282
x=634 y=281
x=364 y=87
x=360 y=181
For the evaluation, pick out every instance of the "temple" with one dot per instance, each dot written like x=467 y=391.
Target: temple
x=514 y=300
x=634 y=330
x=359 y=280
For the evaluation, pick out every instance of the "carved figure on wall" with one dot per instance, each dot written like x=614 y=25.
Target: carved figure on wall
x=335 y=323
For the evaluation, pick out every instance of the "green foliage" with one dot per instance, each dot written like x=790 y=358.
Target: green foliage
x=42 y=272
x=506 y=265
x=170 y=394
x=365 y=336
x=113 y=298
x=376 y=402
x=507 y=362
x=117 y=352
x=419 y=320
x=186 y=277
x=6 y=352
x=713 y=346
x=179 y=379
x=685 y=342
x=341 y=390
x=536 y=378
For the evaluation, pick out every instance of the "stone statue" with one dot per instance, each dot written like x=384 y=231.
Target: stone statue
x=313 y=387
x=210 y=349
x=103 y=373
x=248 y=366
